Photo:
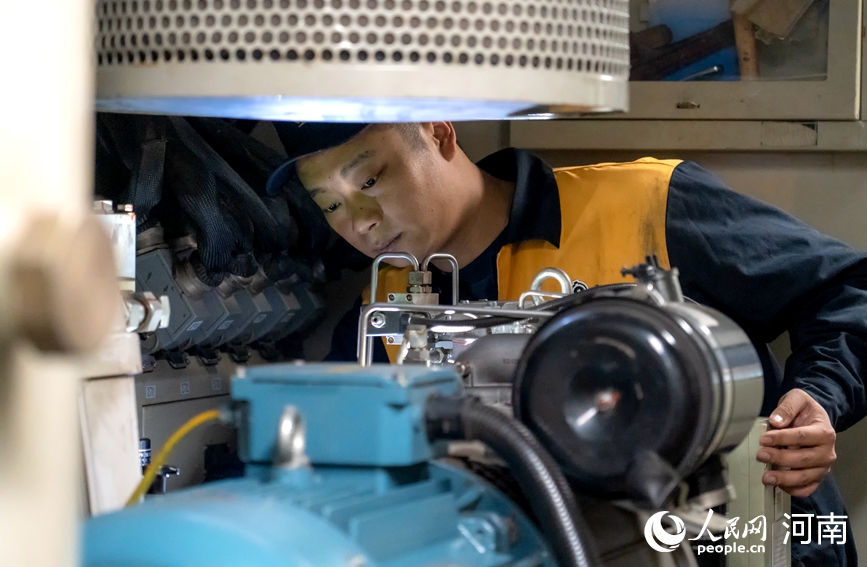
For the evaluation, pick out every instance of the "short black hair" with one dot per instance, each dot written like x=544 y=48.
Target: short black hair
x=411 y=132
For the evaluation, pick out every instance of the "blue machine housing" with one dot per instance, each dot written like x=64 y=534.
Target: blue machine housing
x=354 y=415
x=370 y=497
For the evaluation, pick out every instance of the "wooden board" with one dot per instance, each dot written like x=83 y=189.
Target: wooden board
x=109 y=429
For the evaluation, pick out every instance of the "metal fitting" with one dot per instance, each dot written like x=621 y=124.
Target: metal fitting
x=158 y=312
x=258 y=282
x=189 y=282
x=291 y=440
x=232 y=283
x=149 y=240
x=377 y=320
x=145 y=313
x=420 y=278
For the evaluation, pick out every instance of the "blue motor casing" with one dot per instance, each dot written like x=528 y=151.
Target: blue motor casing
x=371 y=496
x=424 y=515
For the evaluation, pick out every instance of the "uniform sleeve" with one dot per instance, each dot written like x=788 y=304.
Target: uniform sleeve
x=344 y=340
x=772 y=273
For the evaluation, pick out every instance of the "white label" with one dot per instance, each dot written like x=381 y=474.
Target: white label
x=151 y=391
x=216 y=384
x=260 y=318
x=194 y=325
x=185 y=388
x=226 y=324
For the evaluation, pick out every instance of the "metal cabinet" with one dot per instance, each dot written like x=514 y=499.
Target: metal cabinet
x=812 y=74
x=806 y=95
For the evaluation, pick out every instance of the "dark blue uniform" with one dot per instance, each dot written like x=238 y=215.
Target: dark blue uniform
x=766 y=270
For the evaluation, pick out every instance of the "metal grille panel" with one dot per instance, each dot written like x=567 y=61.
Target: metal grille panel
x=155 y=55
x=578 y=35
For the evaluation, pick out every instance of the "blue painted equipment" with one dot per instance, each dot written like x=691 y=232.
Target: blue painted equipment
x=368 y=497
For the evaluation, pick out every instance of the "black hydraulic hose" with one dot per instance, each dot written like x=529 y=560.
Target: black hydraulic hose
x=481 y=323
x=146 y=182
x=533 y=467
x=253 y=160
x=273 y=236
x=580 y=297
x=196 y=192
x=140 y=143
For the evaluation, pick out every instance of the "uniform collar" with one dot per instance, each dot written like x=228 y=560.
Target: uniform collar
x=535 y=213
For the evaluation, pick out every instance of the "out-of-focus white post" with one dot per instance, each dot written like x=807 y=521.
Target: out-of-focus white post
x=46 y=287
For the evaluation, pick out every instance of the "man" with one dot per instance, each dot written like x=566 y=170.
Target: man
x=411 y=188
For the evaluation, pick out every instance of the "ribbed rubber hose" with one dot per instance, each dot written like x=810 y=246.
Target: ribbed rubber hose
x=532 y=466
x=195 y=189
x=146 y=182
x=253 y=160
x=140 y=143
x=274 y=236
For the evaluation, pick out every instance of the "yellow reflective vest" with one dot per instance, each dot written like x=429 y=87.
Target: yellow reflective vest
x=612 y=216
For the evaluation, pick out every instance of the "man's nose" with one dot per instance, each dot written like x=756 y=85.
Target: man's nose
x=366 y=214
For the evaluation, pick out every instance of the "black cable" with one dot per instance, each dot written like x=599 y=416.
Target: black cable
x=483 y=323
x=538 y=475
x=573 y=299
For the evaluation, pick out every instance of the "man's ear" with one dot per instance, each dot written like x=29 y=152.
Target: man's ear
x=445 y=138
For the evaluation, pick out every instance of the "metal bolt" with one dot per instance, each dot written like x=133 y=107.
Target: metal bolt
x=291 y=439
x=377 y=320
x=409 y=297
x=391 y=297
x=390 y=340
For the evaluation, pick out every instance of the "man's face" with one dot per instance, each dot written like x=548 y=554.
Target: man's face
x=382 y=192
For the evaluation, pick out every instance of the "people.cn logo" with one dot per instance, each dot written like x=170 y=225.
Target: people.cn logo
x=658 y=538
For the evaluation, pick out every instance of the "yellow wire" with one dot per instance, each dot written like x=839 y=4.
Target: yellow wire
x=156 y=464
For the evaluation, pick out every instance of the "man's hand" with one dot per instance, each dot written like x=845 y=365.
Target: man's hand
x=802 y=441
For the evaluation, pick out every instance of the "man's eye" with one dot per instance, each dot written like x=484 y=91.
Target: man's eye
x=370 y=183
x=331 y=208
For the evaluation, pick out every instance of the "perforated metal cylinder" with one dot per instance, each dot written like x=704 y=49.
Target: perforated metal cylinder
x=363 y=60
